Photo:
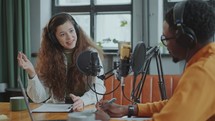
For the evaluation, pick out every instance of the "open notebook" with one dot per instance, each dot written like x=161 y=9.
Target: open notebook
x=44 y=107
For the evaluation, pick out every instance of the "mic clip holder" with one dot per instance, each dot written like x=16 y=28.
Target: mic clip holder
x=109 y=73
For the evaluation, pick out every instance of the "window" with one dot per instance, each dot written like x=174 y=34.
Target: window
x=117 y=28
x=106 y=21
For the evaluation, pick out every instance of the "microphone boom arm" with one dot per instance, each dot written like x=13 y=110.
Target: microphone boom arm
x=136 y=93
x=160 y=74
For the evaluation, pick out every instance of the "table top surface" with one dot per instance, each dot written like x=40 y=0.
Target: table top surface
x=24 y=116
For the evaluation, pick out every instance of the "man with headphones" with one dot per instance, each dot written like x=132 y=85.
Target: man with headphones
x=188 y=32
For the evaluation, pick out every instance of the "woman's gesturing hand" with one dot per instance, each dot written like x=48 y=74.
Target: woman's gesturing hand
x=78 y=104
x=26 y=64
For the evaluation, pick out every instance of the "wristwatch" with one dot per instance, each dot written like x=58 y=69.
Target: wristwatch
x=130 y=110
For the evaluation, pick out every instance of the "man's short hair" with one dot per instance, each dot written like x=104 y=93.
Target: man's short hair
x=199 y=16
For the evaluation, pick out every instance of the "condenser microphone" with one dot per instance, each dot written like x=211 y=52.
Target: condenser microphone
x=124 y=64
x=88 y=63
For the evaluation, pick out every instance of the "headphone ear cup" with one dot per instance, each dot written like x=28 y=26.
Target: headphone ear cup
x=53 y=38
x=186 y=37
x=190 y=37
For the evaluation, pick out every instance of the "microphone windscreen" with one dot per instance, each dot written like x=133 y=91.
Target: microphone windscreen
x=83 y=62
x=138 y=58
x=88 y=63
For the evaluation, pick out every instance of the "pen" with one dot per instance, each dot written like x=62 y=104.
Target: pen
x=111 y=100
x=70 y=106
x=108 y=102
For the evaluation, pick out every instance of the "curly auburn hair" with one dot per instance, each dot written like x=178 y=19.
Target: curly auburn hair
x=199 y=16
x=50 y=65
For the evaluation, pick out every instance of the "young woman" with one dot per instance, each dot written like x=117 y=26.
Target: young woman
x=56 y=79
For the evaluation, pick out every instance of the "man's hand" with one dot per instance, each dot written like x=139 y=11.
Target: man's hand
x=113 y=109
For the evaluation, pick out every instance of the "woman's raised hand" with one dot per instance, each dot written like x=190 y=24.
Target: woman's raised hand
x=26 y=64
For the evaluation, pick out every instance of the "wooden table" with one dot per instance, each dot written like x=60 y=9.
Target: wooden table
x=24 y=116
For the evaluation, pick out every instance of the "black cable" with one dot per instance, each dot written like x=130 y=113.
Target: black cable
x=96 y=94
x=101 y=93
x=125 y=96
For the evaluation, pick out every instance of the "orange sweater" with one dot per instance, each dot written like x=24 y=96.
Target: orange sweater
x=193 y=98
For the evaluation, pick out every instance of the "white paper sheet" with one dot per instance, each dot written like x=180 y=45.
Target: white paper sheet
x=51 y=107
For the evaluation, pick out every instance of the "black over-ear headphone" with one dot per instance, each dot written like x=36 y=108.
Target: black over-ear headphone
x=51 y=31
x=185 y=36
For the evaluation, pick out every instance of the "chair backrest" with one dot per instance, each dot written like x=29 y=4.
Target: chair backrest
x=150 y=92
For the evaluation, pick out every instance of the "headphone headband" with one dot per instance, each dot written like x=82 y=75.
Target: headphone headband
x=60 y=14
x=185 y=36
x=178 y=13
